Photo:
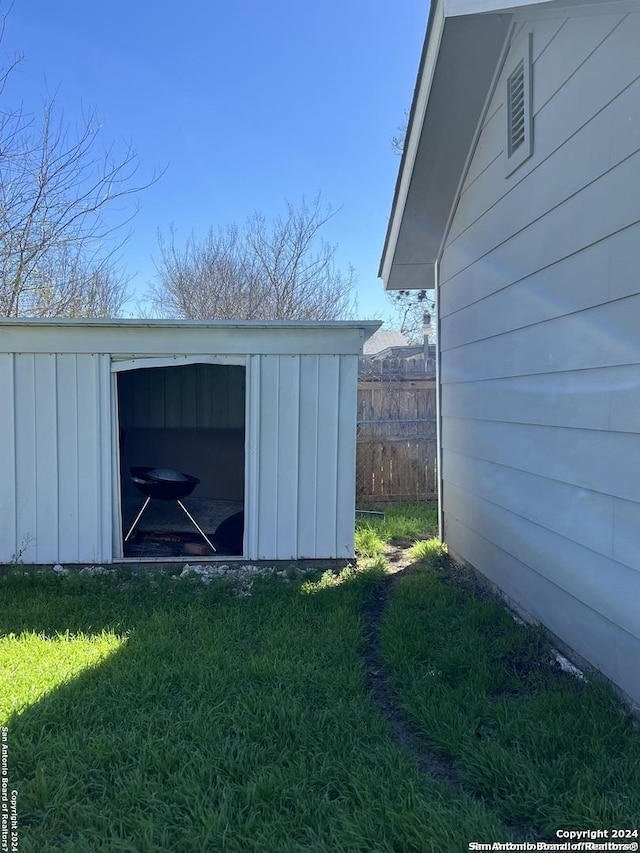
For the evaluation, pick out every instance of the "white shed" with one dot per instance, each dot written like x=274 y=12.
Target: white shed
x=263 y=414
x=517 y=200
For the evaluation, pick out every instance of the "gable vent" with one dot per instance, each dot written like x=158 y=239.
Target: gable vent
x=516 y=101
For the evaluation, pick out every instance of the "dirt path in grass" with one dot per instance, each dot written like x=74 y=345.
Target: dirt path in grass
x=406 y=733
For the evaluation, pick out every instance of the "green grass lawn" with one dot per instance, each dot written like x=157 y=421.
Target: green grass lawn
x=402 y=522
x=151 y=714
x=169 y=716
x=542 y=748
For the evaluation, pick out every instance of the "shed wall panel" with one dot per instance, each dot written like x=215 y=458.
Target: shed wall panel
x=327 y=471
x=540 y=361
x=46 y=453
x=107 y=451
x=307 y=430
x=69 y=470
x=89 y=459
x=62 y=500
x=268 y=509
x=288 y=456
x=25 y=448
x=346 y=491
x=252 y=458
x=308 y=444
x=8 y=543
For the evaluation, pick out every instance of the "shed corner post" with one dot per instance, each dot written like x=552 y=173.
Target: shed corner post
x=116 y=508
x=252 y=457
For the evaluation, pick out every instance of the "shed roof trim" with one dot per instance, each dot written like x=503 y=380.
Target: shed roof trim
x=370 y=325
x=134 y=339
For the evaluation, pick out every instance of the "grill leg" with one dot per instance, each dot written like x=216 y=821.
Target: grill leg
x=197 y=526
x=138 y=517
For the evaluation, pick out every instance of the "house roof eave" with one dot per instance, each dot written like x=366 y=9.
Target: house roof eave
x=448 y=100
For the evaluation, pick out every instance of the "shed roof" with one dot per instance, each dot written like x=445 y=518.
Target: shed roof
x=136 y=338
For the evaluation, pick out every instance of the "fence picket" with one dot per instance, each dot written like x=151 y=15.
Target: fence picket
x=396 y=447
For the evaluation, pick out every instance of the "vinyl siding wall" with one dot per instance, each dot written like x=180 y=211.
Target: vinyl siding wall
x=540 y=345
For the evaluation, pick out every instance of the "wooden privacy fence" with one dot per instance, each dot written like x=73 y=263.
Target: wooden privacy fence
x=396 y=450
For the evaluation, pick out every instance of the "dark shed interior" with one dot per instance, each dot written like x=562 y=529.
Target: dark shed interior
x=189 y=419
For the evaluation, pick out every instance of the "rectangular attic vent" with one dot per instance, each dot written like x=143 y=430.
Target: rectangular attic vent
x=518 y=100
x=516 y=106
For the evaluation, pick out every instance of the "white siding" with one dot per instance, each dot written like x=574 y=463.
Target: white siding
x=540 y=346
x=56 y=446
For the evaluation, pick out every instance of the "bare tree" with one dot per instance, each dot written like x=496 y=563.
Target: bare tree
x=410 y=307
x=399 y=139
x=66 y=284
x=278 y=270
x=59 y=238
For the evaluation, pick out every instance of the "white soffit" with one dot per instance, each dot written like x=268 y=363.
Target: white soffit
x=457 y=8
x=458 y=63
x=418 y=109
x=454 y=8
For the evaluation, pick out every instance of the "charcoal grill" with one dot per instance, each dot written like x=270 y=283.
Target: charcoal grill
x=164 y=484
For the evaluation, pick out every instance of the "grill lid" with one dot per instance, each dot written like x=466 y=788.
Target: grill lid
x=167 y=474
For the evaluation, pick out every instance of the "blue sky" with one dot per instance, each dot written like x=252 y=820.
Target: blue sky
x=246 y=104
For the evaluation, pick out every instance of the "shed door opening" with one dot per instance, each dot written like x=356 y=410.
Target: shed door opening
x=186 y=421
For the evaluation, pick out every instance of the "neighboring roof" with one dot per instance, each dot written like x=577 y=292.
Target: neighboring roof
x=463 y=47
x=384 y=339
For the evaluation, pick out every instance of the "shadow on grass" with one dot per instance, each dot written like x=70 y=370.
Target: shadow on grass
x=220 y=724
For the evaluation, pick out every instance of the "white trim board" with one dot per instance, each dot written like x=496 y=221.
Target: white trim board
x=175 y=361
